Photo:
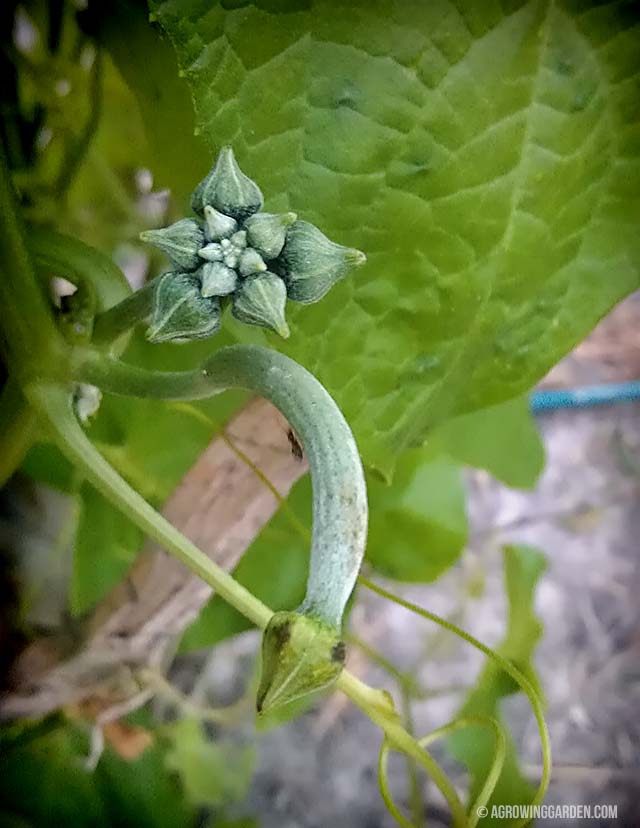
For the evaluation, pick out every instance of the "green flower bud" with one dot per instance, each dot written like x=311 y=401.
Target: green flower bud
x=217 y=225
x=239 y=239
x=180 y=312
x=311 y=264
x=250 y=262
x=180 y=241
x=260 y=300
x=211 y=252
x=267 y=232
x=227 y=189
x=217 y=279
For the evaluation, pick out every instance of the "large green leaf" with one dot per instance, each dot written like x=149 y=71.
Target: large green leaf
x=418 y=525
x=485 y=156
x=502 y=439
x=473 y=746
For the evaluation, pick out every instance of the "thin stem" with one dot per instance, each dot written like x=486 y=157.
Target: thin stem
x=521 y=680
x=416 y=804
x=215 y=715
x=53 y=403
x=283 y=503
x=499 y=756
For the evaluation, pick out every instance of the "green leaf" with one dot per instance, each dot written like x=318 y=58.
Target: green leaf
x=211 y=773
x=105 y=545
x=502 y=439
x=418 y=525
x=473 y=746
x=43 y=782
x=485 y=157
x=46 y=464
x=147 y=63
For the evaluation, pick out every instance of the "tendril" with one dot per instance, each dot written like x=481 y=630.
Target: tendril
x=489 y=783
x=521 y=680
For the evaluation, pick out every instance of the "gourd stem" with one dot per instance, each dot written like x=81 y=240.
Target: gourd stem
x=339 y=492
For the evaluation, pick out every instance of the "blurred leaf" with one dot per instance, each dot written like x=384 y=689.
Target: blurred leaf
x=473 y=746
x=44 y=783
x=215 y=773
x=418 y=525
x=148 y=64
x=46 y=464
x=503 y=439
x=105 y=545
x=486 y=159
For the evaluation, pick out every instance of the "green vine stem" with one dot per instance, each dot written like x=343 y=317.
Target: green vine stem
x=79 y=264
x=377 y=705
x=53 y=404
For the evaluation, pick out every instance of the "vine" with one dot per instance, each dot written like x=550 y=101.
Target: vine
x=251 y=262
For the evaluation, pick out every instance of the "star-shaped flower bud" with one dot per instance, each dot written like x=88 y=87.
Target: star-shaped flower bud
x=266 y=232
x=227 y=189
x=217 y=279
x=250 y=262
x=260 y=300
x=258 y=259
x=211 y=252
x=217 y=225
x=180 y=312
x=311 y=264
x=180 y=241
